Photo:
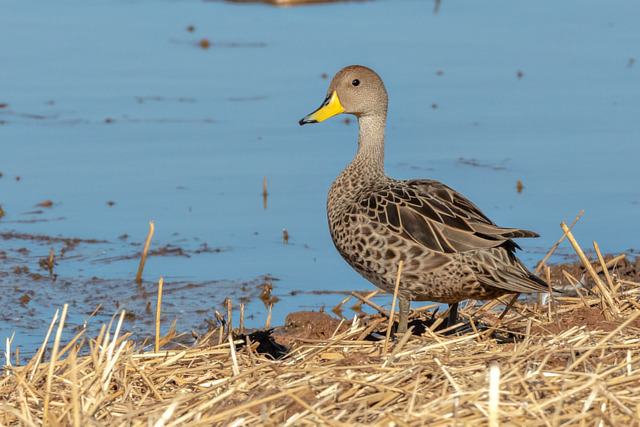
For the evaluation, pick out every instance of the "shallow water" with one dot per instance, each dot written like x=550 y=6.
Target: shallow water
x=118 y=102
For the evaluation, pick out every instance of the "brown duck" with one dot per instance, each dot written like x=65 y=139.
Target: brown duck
x=450 y=250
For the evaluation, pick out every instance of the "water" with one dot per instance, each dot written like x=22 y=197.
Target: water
x=117 y=102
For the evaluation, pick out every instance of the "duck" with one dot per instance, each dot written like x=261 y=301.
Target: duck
x=450 y=250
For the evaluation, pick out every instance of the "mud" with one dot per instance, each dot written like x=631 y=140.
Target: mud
x=34 y=285
x=11 y=116
x=475 y=163
x=588 y=318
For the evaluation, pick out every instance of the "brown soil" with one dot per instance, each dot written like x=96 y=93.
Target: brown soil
x=307 y=326
x=590 y=318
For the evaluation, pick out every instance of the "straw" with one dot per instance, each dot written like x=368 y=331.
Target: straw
x=366 y=300
x=52 y=364
x=268 y=322
x=75 y=392
x=571 y=281
x=544 y=260
x=7 y=353
x=604 y=266
x=241 y=328
x=229 y=310
x=158 y=312
x=234 y=359
x=494 y=394
x=144 y=252
x=592 y=272
x=51 y=261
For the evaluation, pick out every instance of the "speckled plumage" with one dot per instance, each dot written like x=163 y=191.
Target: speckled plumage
x=450 y=250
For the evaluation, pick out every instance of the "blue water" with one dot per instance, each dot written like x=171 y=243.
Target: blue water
x=116 y=101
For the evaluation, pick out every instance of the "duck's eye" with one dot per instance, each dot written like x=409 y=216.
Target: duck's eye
x=355 y=82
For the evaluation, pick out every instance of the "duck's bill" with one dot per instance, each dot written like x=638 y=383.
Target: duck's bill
x=329 y=108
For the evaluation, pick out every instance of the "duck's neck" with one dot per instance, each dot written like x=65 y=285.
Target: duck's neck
x=370 y=153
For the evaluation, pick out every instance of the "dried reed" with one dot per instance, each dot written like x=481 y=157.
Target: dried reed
x=264 y=193
x=144 y=253
x=51 y=261
x=158 y=312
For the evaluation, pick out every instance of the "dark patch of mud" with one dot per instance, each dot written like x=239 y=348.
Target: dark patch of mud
x=68 y=243
x=9 y=116
x=414 y=167
x=206 y=44
x=309 y=326
x=33 y=286
x=475 y=163
x=289 y=3
x=143 y=99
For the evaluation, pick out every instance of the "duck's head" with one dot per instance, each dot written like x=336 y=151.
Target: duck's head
x=354 y=90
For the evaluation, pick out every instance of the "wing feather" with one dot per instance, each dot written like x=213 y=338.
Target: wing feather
x=437 y=217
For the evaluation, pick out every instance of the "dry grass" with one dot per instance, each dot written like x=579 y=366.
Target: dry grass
x=559 y=372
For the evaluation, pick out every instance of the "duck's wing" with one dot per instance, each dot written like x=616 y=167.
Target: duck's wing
x=433 y=215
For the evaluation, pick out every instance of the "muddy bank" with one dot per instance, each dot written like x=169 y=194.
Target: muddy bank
x=304 y=327
x=40 y=273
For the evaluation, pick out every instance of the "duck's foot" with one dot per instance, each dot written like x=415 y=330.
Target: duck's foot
x=452 y=319
x=448 y=327
x=403 y=315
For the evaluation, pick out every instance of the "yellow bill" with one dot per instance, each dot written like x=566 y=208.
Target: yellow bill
x=329 y=108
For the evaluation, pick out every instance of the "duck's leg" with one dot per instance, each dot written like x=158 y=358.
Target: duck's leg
x=453 y=315
x=403 y=315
